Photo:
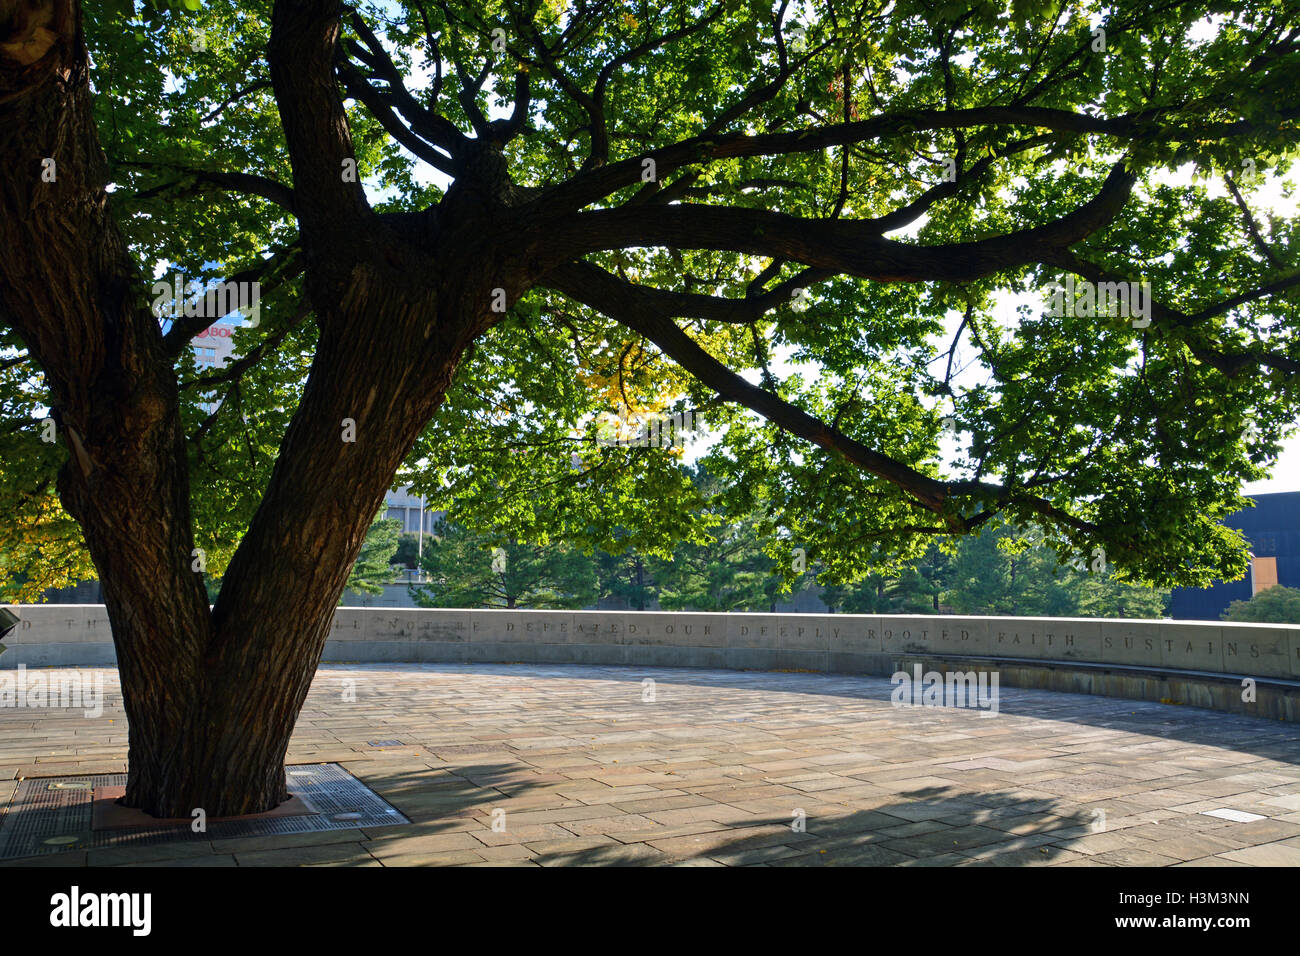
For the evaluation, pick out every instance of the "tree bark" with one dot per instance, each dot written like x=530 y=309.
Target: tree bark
x=211 y=696
x=72 y=292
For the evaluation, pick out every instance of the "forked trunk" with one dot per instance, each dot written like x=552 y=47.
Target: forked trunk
x=217 y=741
x=211 y=696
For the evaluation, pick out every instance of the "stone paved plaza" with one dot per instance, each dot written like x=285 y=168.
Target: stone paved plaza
x=713 y=770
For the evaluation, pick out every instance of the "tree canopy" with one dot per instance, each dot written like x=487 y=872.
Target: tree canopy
x=718 y=189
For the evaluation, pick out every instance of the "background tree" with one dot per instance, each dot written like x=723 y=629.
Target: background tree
x=373 y=567
x=408 y=550
x=989 y=578
x=1105 y=595
x=914 y=590
x=1004 y=572
x=625 y=579
x=734 y=564
x=729 y=573
x=469 y=569
x=1275 y=605
x=621 y=205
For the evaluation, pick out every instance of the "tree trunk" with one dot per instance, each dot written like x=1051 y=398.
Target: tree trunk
x=211 y=696
x=70 y=289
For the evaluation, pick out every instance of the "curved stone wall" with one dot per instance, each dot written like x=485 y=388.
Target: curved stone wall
x=1245 y=668
x=79 y=634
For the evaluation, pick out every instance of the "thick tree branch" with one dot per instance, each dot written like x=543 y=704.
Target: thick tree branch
x=854 y=248
x=594 y=185
x=303 y=49
x=712 y=308
x=606 y=294
x=357 y=86
x=192 y=179
x=507 y=129
x=425 y=121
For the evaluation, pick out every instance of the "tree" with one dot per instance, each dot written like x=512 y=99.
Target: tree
x=1005 y=572
x=641 y=203
x=731 y=572
x=1275 y=605
x=736 y=562
x=373 y=567
x=915 y=590
x=988 y=577
x=407 y=554
x=1105 y=595
x=469 y=569
x=625 y=577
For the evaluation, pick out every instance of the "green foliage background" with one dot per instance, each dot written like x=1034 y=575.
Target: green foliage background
x=1275 y=605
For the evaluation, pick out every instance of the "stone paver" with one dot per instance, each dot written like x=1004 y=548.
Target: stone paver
x=524 y=765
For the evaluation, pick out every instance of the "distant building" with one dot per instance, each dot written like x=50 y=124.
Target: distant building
x=409 y=509
x=213 y=348
x=214 y=345
x=1273 y=529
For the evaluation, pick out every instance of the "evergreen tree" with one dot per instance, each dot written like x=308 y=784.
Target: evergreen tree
x=626 y=579
x=373 y=568
x=466 y=568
